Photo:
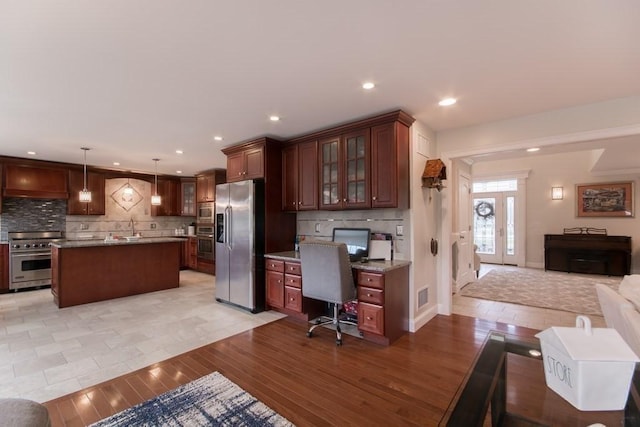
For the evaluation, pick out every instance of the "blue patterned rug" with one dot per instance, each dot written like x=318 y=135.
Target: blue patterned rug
x=212 y=400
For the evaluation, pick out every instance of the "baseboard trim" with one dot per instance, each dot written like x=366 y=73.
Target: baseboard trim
x=423 y=318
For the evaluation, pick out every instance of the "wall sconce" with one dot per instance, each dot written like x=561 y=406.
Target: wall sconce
x=557 y=193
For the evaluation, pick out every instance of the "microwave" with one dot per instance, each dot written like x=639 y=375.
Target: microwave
x=205 y=213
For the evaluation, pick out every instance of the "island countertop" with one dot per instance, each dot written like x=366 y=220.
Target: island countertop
x=114 y=242
x=378 y=266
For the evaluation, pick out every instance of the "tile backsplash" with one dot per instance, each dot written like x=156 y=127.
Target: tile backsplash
x=23 y=214
x=320 y=224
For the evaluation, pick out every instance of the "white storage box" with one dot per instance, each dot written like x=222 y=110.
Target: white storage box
x=590 y=368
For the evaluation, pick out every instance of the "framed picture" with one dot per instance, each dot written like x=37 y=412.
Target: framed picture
x=614 y=199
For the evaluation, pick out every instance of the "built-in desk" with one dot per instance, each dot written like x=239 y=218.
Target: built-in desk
x=383 y=294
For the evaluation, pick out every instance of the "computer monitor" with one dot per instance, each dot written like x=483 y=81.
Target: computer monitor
x=356 y=239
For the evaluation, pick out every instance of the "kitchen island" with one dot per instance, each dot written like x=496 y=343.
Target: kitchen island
x=85 y=271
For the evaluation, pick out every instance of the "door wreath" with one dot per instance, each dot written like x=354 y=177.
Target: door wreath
x=484 y=210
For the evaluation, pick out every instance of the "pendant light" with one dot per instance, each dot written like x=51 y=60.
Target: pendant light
x=155 y=199
x=128 y=190
x=85 y=195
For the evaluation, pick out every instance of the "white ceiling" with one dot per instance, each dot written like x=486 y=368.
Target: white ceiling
x=138 y=79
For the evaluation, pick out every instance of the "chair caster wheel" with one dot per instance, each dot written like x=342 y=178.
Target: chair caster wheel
x=309 y=334
x=338 y=342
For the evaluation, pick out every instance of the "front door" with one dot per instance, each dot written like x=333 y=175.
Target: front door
x=494 y=227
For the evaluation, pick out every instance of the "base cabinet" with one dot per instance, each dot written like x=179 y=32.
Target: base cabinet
x=4 y=268
x=383 y=298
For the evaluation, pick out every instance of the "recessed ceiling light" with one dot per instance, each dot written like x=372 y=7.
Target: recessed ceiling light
x=31 y=153
x=368 y=85
x=217 y=138
x=274 y=118
x=116 y=163
x=178 y=171
x=447 y=101
x=178 y=151
x=533 y=149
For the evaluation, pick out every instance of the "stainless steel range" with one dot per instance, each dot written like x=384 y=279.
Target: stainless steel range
x=30 y=258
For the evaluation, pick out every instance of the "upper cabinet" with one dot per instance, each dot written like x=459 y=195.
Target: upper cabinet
x=246 y=163
x=299 y=176
x=35 y=181
x=168 y=192
x=187 y=197
x=361 y=165
x=345 y=171
x=95 y=184
x=206 y=184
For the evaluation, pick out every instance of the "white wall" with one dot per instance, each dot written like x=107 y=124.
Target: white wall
x=546 y=216
x=425 y=208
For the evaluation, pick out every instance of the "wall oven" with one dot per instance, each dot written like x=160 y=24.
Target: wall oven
x=205 y=213
x=204 y=235
x=30 y=258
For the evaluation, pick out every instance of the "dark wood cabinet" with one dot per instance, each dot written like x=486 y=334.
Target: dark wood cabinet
x=345 y=163
x=95 y=184
x=300 y=177
x=168 y=192
x=390 y=166
x=247 y=163
x=35 y=181
x=361 y=165
x=187 y=197
x=588 y=253
x=4 y=267
x=188 y=254
x=206 y=184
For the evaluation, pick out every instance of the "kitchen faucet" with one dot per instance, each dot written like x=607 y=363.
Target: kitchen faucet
x=133 y=227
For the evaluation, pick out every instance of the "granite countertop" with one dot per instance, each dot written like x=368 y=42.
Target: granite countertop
x=379 y=266
x=115 y=242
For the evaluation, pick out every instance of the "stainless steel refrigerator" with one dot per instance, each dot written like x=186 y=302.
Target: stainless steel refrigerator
x=240 y=244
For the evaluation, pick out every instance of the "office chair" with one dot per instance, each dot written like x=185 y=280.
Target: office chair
x=326 y=276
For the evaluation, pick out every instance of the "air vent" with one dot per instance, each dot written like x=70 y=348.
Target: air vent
x=423 y=297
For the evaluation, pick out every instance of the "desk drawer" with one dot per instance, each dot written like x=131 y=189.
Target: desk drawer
x=292 y=268
x=374 y=296
x=293 y=281
x=370 y=280
x=293 y=299
x=371 y=318
x=275 y=265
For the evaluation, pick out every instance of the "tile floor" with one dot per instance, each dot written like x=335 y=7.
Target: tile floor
x=46 y=352
x=515 y=314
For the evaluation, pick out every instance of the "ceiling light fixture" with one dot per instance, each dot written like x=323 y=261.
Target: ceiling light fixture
x=31 y=153
x=447 y=102
x=274 y=118
x=217 y=138
x=178 y=171
x=116 y=163
x=85 y=195
x=155 y=199
x=533 y=149
x=179 y=151
x=368 y=85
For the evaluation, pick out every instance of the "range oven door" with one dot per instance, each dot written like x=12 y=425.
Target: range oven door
x=30 y=269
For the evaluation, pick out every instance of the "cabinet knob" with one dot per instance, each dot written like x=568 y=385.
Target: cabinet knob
x=279 y=281
x=368 y=279
x=369 y=318
x=344 y=200
x=374 y=198
x=369 y=295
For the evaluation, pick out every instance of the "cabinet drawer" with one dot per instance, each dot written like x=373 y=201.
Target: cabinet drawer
x=293 y=299
x=293 y=281
x=371 y=318
x=275 y=265
x=371 y=295
x=371 y=280
x=292 y=268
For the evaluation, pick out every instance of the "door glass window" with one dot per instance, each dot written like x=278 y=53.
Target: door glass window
x=484 y=225
x=510 y=225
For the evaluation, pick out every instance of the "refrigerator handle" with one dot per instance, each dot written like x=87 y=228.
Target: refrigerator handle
x=228 y=216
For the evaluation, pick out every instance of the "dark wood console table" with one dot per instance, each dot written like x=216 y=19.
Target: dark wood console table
x=588 y=253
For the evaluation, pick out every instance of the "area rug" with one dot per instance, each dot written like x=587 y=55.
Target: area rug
x=212 y=400
x=538 y=288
